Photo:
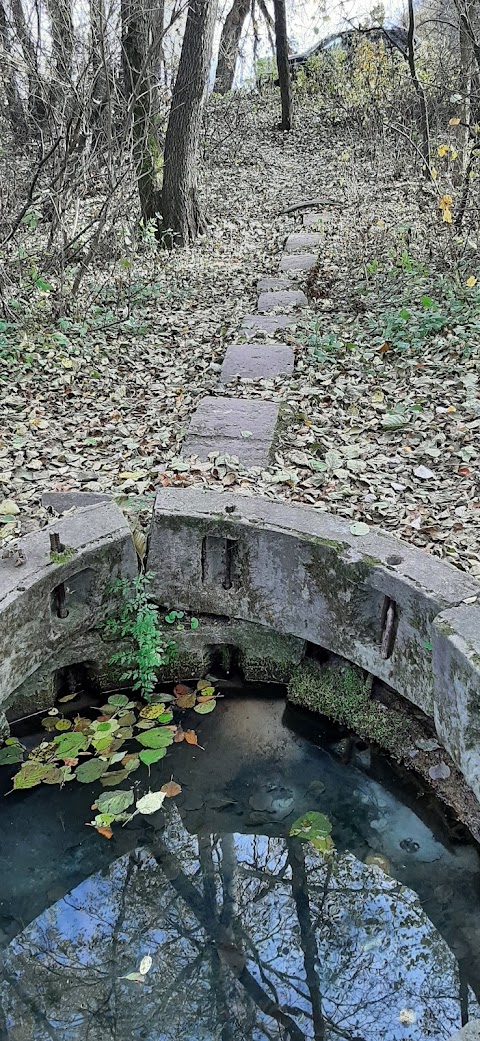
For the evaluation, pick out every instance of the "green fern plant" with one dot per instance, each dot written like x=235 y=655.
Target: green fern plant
x=138 y=622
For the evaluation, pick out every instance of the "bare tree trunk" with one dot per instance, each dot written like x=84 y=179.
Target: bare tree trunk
x=14 y=105
x=36 y=103
x=282 y=63
x=424 y=126
x=61 y=21
x=229 y=44
x=139 y=91
x=465 y=89
x=180 y=204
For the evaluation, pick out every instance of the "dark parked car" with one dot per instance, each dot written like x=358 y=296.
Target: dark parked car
x=395 y=38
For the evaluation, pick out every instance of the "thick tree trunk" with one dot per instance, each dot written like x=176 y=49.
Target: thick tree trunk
x=282 y=63
x=14 y=104
x=180 y=204
x=229 y=44
x=139 y=91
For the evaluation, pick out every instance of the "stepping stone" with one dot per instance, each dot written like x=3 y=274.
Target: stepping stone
x=303 y=240
x=267 y=323
x=281 y=298
x=269 y=282
x=232 y=426
x=60 y=502
x=298 y=262
x=257 y=361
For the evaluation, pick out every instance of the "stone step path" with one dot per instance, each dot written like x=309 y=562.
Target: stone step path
x=245 y=427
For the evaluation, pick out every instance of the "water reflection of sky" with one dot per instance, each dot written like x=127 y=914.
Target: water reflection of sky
x=308 y=936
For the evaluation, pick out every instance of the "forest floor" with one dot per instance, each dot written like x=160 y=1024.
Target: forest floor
x=380 y=421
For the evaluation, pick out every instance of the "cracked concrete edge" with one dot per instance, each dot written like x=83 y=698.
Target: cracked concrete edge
x=99 y=549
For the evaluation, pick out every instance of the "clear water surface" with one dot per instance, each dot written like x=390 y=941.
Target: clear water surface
x=253 y=936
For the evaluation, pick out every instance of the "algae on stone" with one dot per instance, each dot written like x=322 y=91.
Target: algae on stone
x=341 y=692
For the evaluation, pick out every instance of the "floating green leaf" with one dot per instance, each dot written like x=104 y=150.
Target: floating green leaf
x=205 y=707
x=160 y=737
x=52 y=775
x=128 y=719
x=115 y=777
x=114 y=802
x=30 y=775
x=152 y=755
x=69 y=745
x=315 y=828
x=11 y=754
x=118 y=700
x=63 y=725
x=90 y=771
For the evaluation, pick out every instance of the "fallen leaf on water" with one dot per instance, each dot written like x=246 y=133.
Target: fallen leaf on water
x=170 y=789
x=179 y=736
x=145 y=965
x=180 y=689
x=191 y=737
x=105 y=831
x=150 y=803
x=134 y=977
x=186 y=700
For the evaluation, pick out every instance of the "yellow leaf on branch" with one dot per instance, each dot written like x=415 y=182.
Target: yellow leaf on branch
x=455 y=122
x=447 y=216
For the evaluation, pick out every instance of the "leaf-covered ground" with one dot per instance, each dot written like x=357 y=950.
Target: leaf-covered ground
x=381 y=419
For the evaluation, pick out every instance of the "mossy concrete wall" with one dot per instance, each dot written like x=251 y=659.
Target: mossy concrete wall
x=268 y=578
x=304 y=573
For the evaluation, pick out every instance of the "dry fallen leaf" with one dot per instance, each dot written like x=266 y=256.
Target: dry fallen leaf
x=171 y=789
x=105 y=831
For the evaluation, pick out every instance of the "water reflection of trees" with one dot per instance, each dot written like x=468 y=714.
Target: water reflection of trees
x=251 y=938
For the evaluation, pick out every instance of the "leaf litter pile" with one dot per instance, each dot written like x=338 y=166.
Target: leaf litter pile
x=109 y=749
x=380 y=422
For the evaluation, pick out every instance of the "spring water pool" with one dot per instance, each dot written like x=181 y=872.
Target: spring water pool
x=245 y=932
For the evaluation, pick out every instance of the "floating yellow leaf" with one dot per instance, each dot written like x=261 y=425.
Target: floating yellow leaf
x=152 y=711
x=471 y=282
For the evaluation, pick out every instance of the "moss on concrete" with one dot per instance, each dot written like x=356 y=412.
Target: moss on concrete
x=341 y=693
x=62 y=557
x=267 y=656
